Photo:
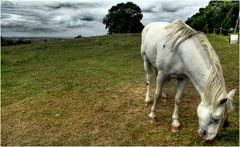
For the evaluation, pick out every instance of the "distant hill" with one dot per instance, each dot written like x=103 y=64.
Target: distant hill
x=7 y=41
x=34 y=38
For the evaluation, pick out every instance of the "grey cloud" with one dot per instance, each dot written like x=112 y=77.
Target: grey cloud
x=82 y=19
x=82 y=22
x=72 y=17
x=38 y=14
x=5 y=16
x=163 y=7
x=29 y=19
x=15 y=26
x=171 y=9
x=7 y=4
x=46 y=29
x=175 y=6
x=26 y=14
x=148 y=10
x=88 y=18
x=24 y=27
x=76 y=23
x=26 y=17
x=62 y=5
x=73 y=5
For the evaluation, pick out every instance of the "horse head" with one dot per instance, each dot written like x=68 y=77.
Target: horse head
x=210 y=119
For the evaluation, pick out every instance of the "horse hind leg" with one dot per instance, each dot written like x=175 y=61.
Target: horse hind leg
x=180 y=87
x=148 y=70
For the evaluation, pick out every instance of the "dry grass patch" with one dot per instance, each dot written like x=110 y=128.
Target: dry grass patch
x=71 y=93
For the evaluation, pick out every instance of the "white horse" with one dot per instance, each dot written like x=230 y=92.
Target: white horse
x=178 y=51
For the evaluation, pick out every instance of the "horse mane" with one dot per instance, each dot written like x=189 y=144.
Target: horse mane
x=179 y=32
x=215 y=84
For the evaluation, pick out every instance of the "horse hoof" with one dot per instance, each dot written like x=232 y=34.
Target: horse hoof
x=147 y=103
x=164 y=95
x=174 y=130
x=153 y=120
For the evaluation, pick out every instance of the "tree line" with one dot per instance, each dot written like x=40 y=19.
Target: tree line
x=218 y=16
x=8 y=42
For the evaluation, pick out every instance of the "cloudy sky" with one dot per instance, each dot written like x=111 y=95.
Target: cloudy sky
x=70 y=18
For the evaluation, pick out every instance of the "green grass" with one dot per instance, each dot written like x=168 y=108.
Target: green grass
x=91 y=91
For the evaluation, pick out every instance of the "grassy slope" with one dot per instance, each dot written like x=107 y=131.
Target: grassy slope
x=91 y=92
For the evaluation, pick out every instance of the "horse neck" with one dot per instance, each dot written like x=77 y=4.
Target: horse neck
x=198 y=66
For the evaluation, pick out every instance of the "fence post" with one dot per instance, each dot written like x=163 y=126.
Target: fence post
x=220 y=30
x=207 y=31
x=214 y=31
x=236 y=25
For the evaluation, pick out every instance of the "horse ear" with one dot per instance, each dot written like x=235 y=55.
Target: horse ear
x=231 y=94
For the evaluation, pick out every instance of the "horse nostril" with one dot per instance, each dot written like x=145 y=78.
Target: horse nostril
x=203 y=132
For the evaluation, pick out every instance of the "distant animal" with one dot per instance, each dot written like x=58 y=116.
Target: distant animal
x=178 y=51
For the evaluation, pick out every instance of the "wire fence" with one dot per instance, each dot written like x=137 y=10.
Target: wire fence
x=220 y=31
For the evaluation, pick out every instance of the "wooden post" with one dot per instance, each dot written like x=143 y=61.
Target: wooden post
x=214 y=31
x=207 y=31
x=235 y=29
x=220 y=30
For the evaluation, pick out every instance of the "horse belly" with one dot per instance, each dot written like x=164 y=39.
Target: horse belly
x=175 y=68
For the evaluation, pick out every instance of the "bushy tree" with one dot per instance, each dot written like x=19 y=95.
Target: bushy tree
x=124 y=18
x=218 y=14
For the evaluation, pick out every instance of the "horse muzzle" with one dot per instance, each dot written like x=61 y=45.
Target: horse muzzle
x=207 y=137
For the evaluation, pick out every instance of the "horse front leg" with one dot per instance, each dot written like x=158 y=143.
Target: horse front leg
x=148 y=70
x=156 y=73
x=158 y=94
x=180 y=87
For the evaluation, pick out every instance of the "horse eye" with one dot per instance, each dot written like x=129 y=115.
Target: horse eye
x=215 y=120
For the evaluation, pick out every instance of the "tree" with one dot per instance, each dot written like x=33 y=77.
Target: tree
x=124 y=18
x=218 y=14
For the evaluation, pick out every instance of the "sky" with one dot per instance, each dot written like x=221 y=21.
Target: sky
x=70 y=18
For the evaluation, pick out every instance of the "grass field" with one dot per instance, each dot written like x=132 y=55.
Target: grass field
x=91 y=91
